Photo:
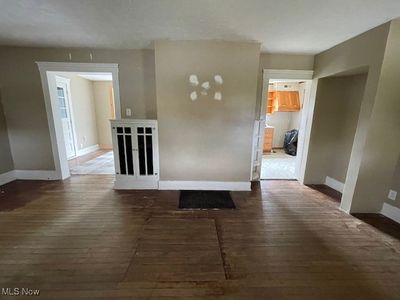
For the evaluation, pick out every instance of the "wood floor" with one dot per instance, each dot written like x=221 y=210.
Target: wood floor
x=79 y=239
x=77 y=161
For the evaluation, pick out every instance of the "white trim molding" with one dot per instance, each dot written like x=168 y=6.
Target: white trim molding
x=390 y=211
x=205 y=185
x=126 y=183
x=287 y=74
x=46 y=66
x=7 y=177
x=35 y=175
x=47 y=74
x=27 y=175
x=334 y=184
x=87 y=150
x=343 y=209
x=305 y=126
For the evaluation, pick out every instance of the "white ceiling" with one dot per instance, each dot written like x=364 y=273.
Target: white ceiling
x=287 y=26
x=96 y=76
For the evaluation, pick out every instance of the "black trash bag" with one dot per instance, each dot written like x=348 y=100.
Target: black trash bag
x=290 y=142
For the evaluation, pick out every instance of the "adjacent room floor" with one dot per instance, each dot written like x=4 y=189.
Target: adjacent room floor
x=278 y=165
x=82 y=239
x=98 y=162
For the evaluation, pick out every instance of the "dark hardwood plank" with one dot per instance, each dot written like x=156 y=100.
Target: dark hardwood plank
x=80 y=239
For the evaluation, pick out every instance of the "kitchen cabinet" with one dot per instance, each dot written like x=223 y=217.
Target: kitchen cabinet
x=268 y=137
x=270 y=102
x=283 y=101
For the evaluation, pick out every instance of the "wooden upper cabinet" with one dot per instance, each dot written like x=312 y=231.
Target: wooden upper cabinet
x=283 y=101
x=270 y=102
x=294 y=100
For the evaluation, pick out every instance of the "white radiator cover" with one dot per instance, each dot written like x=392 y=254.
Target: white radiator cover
x=136 y=156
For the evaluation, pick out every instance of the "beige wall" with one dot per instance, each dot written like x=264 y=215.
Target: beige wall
x=362 y=52
x=92 y=110
x=103 y=99
x=6 y=161
x=286 y=61
x=382 y=145
x=23 y=96
x=281 y=62
x=395 y=185
x=335 y=119
x=206 y=139
x=84 y=111
x=23 y=100
x=374 y=155
x=91 y=103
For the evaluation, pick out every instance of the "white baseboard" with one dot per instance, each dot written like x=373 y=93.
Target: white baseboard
x=205 y=185
x=334 y=184
x=87 y=150
x=344 y=210
x=390 y=211
x=7 y=177
x=27 y=175
x=123 y=182
x=35 y=175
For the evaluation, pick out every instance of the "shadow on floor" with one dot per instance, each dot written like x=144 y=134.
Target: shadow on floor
x=14 y=195
x=326 y=190
x=378 y=221
x=382 y=223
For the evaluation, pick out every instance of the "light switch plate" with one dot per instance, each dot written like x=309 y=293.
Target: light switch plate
x=392 y=195
x=128 y=112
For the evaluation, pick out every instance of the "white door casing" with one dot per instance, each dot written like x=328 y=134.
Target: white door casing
x=47 y=74
x=305 y=127
x=65 y=110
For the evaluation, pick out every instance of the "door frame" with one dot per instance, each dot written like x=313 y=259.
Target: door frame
x=48 y=72
x=67 y=83
x=306 y=119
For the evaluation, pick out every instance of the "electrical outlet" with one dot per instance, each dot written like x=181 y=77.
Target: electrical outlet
x=392 y=195
x=128 y=112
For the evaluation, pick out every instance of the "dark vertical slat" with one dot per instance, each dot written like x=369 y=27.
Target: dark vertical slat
x=142 y=160
x=121 y=153
x=129 y=156
x=149 y=153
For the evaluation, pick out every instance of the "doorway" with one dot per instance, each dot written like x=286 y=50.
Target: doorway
x=337 y=109
x=76 y=123
x=281 y=132
x=86 y=105
x=284 y=108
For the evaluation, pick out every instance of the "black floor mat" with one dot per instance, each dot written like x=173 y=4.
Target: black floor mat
x=206 y=199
